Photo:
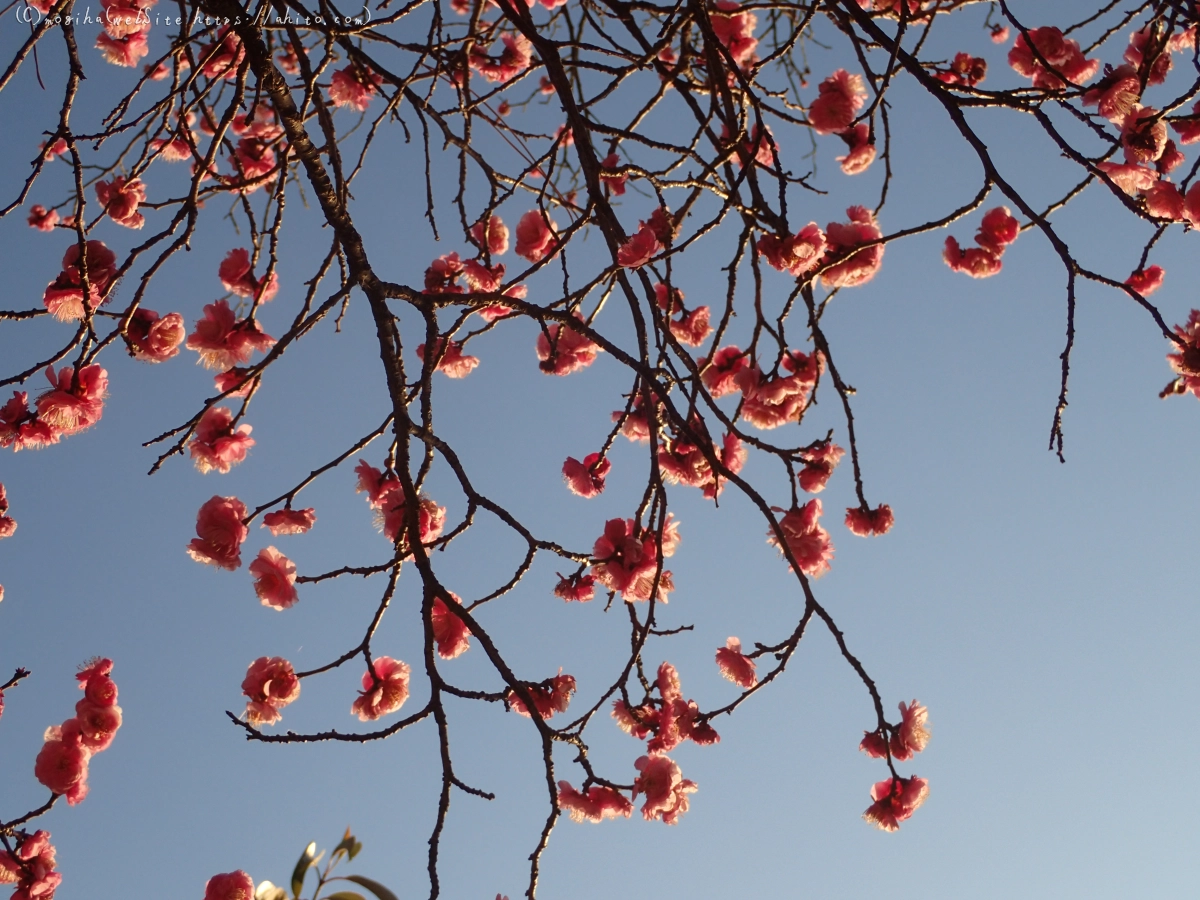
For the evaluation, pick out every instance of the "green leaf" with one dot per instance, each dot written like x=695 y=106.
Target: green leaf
x=373 y=886
x=307 y=858
x=354 y=851
x=345 y=895
x=347 y=845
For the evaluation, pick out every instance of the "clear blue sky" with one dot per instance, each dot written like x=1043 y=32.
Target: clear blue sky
x=1045 y=613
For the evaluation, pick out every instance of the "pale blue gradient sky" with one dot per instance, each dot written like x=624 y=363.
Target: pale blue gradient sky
x=1044 y=613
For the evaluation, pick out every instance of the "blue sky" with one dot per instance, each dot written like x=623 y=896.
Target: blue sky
x=1043 y=612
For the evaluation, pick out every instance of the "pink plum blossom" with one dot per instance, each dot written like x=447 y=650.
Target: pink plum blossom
x=120 y=199
x=354 y=86
x=1155 y=68
x=637 y=722
x=7 y=525
x=442 y=274
x=384 y=694
x=1146 y=281
x=1129 y=177
x=496 y=238
x=808 y=542
x=565 y=350
x=288 y=60
x=854 y=268
x=154 y=339
x=485 y=279
x=596 y=805
x=550 y=697
x=1172 y=158
x=577 y=588
x=841 y=96
x=1116 y=95
x=997 y=230
x=664 y=787
x=236 y=381
x=586 y=479
x=1143 y=135
x=626 y=559
x=124 y=51
x=966 y=70
x=1164 y=201
x=974 y=261
x=238 y=277
x=270 y=684
x=536 y=238
x=639 y=249
x=1185 y=361
x=98 y=724
x=736 y=666
x=217 y=444
x=64 y=296
x=386 y=496
x=452 y=363
x=676 y=720
x=719 y=373
x=869 y=522
x=913 y=734
x=734 y=28
x=31 y=866
x=74 y=401
x=451 y=633
x=20 y=427
x=222 y=58
x=62 y=763
x=220 y=533
x=613 y=181
x=223 y=341
x=819 y=464
x=896 y=799
x=1188 y=128
x=274 y=579
x=41 y=218
x=59 y=145
x=771 y=401
x=795 y=255
x=1064 y=56
x=514 y=59
x=862 y=149
x=290 y=521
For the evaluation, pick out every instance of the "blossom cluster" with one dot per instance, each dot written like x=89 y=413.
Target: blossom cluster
x=845 y=254
x=62 y=763
x=896 y=799
x=75 y=401
x=665 y=722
